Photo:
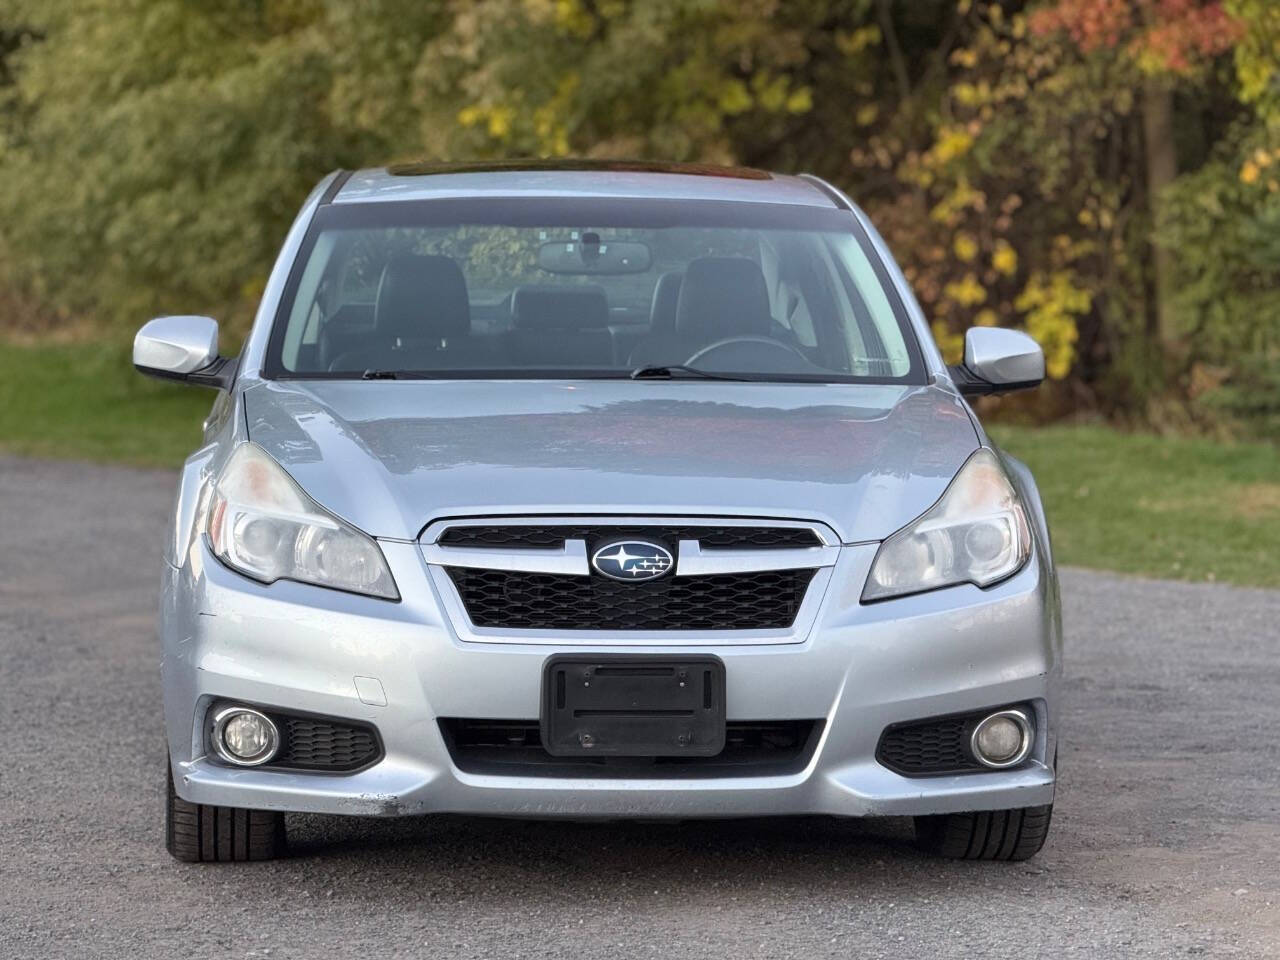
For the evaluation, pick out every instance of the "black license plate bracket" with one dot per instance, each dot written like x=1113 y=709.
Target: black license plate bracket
x=616 y=705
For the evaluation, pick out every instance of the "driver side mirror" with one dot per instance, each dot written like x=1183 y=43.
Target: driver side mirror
x=182 y=348
x=998 y=361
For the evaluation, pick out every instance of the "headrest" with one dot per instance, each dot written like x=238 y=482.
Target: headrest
x=350 y=317
x=722 y=297
x=666 y=295
x=559 y=308
x=422 y=296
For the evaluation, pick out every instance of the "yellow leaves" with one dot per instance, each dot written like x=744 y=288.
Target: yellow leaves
x=962 y=197
x=965 y=247
x=800 y=100
x=497 y=119
x=1051 y=303
x=768 y=92
x=967 y=292
x=952 y=142
x=866 y=114
x=1259 y=160
x=971 y=94
x=1005 y=259
x=500 y=122
x=734 y=97
x=1256 y=54
x=1102 y=219
x=986 y=318
x=853 y=42
x=573 y=18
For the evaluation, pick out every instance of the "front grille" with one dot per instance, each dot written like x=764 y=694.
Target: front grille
x=554 y=535
x=533 y=601
x=311 y=743
x=514 y=748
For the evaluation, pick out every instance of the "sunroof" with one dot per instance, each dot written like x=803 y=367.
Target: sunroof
x=426 y=168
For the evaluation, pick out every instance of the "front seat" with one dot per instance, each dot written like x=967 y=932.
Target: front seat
x=560 y=326
x=719 y=297
x=421 y=318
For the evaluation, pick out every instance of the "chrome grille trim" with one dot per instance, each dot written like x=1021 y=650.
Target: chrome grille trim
x=433 y=531
x=693 y=561
x=569 y=561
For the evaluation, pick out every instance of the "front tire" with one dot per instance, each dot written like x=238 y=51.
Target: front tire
x=985 y=835
x=204 y=833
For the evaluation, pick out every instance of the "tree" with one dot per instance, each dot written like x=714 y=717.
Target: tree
x=1167 y=41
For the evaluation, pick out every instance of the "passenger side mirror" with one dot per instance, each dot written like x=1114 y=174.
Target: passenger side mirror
x=182 y=348
x=998 y=361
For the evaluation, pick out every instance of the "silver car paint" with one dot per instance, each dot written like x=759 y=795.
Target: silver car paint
x=176 y=344
x=862 y=459
x=861 y=667
x=1003 y=356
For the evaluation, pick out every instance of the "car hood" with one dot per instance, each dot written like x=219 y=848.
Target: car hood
x=390 y=456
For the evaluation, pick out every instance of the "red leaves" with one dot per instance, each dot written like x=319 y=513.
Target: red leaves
x=1091 y=24
x=1172 y=35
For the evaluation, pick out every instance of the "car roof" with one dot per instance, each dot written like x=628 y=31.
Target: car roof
x=581 y=178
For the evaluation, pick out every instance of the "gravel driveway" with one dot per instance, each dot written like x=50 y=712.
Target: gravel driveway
x=1166 y=837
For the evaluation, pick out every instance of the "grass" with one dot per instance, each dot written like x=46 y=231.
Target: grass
x=1183 y=508
x=84 y=401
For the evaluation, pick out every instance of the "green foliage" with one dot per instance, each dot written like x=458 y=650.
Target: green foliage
x=153 y=152
x=166 y=145
x=1223 y=222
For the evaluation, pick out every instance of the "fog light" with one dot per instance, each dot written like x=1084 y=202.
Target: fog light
x=1002 y=739
x=244 y=737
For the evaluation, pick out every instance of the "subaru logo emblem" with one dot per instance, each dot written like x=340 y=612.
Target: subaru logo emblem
x=632 y=560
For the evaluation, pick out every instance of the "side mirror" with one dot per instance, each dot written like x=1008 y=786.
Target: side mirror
x=182 y=348
x=998 y=361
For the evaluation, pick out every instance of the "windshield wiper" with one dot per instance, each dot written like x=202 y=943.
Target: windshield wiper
x=379 y=375
x=670 y=371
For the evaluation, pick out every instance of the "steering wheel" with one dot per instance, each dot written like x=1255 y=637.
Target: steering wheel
x=794 y=361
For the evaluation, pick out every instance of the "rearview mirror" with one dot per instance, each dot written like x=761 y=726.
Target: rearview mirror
x=998 y=361
x=589 y=254
x=182 y=348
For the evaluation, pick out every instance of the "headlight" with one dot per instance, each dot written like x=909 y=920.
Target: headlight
x=977 y=533
x=260 y=523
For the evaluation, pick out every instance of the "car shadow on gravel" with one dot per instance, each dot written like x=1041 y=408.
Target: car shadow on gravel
x=599 y=854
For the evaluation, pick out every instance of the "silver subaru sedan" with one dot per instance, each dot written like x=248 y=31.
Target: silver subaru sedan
x=601 y=490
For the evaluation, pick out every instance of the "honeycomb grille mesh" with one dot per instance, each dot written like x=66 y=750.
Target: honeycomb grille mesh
x=316 y=744
x=738 y=601
x=551 y=536
x=929 y=747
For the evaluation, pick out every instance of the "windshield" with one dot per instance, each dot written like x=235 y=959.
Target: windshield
x=543 y=288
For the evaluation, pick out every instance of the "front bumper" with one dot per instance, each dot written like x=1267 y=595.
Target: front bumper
x=860 y=668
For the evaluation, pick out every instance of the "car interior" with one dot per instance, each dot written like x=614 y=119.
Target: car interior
x=780 y=312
